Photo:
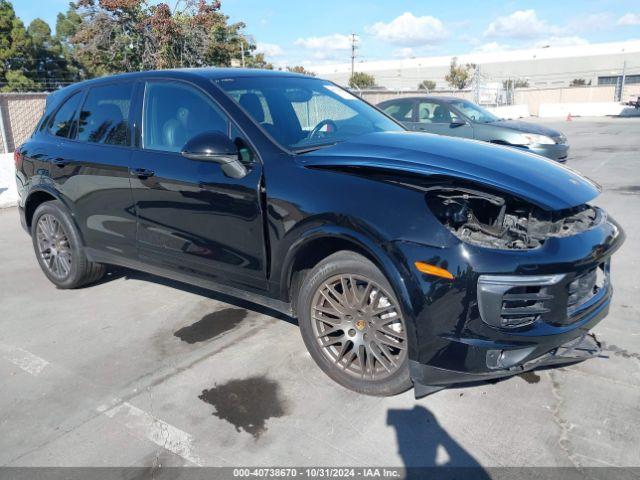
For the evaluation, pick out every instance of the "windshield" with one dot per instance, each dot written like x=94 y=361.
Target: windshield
x=473 y=111
x=305 y=113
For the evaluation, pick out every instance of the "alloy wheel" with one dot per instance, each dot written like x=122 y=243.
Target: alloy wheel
x=359 y=327
x=53 y=246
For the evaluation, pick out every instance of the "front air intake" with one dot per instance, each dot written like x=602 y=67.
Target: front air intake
x=515 y=301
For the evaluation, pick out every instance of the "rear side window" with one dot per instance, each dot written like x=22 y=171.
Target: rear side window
x=174 y=113
x=104 y=117
x=63 y=121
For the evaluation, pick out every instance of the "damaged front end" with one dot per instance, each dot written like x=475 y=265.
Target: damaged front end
x=505 y=222
x=535 y=281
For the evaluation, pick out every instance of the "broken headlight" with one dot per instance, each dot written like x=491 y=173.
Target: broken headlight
x=503 y=222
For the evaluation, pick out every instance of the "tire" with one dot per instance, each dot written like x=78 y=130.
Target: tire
x=54 y=235
x=344 y=332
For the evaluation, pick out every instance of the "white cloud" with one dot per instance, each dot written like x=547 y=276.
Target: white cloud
x=404 y=52
x=522 y=24
x=561 y=41
x=629 y=19
x=269 y=49
x=336 y=41
x=409 y=30
x=491 y=47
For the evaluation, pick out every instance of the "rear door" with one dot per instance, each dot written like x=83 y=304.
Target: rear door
x=438 y=117
x=91 y=167
x=193 y=218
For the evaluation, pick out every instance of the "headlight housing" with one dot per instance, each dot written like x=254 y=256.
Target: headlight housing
x=534 y=139
x=500 y=221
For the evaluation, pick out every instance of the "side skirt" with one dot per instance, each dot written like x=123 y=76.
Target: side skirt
x=112 y=259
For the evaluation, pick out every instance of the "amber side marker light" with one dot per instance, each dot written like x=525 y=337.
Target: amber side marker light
x=433 y=270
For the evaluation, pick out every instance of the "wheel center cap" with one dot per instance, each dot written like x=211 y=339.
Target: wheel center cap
x=360 y=324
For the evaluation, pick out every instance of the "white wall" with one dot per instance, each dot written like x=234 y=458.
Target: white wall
x=8 y=189
x=596 y=109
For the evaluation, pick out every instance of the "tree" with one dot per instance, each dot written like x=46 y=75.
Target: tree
x=127 y=35
x=15 y=50
x=362 y=80
x=428 y=85
x=17 y=81
x=49 y=67
x=300 y=69
x=578 y=82
x=459 y=76
x=258 y=61
x=100 y=37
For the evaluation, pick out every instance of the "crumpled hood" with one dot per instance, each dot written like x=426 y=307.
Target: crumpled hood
x=526 y=127
x=543 y=182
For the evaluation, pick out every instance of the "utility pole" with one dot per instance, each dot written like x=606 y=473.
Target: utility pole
x=353 y=52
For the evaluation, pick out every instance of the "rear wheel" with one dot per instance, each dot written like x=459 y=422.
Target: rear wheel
x=59 y=250
x=352 y=325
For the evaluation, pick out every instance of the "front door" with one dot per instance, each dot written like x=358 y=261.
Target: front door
x=191 y=216
x=437 y=117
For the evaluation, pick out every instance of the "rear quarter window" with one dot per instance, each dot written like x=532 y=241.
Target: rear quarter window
x=62 y=123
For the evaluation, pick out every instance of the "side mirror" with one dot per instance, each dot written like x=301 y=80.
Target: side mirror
x=216 y=147
x=457 y=123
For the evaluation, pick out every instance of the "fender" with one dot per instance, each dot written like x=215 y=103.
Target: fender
x=44 y=188
x=385 y=255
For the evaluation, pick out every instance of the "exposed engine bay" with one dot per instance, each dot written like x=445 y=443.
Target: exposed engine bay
x=497 y=221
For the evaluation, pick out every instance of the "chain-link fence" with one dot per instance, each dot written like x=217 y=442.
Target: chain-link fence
x=19 y=113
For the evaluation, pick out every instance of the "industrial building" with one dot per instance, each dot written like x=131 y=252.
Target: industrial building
x=544 y=67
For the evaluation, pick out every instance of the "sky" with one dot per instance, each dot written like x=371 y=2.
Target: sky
x=298 y=32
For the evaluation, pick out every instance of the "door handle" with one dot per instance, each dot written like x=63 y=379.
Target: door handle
x=59 y=162
x=141 y=172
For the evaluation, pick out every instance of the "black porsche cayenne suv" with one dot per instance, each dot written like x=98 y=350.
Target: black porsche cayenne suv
x=407 y=258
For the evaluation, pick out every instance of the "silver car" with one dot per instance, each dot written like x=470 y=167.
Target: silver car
x=457 y=117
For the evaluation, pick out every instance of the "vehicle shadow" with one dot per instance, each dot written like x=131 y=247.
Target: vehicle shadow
x=424 y=446
x=114 y=273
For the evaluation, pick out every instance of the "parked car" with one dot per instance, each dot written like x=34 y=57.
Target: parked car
x=408 y=259
x=457 y=117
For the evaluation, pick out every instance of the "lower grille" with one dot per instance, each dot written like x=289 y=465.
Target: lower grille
x=512 y=301
x=515 y=301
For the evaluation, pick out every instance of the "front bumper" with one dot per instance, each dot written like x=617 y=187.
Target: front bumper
x=558 y=152
x=452 y=343
x=428 y=379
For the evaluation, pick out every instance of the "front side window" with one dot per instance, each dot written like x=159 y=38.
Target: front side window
x=104 y=117
x=62 y=122
x=174 y=113
x=305 y=113
x=430 y=112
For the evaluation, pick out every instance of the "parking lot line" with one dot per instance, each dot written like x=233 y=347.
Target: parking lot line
x=23 y=359
x=159 y=432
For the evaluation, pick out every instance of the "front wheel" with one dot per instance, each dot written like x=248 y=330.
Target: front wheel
x=352 y=325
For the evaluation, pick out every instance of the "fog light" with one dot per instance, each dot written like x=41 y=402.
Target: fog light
x=507 y=358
